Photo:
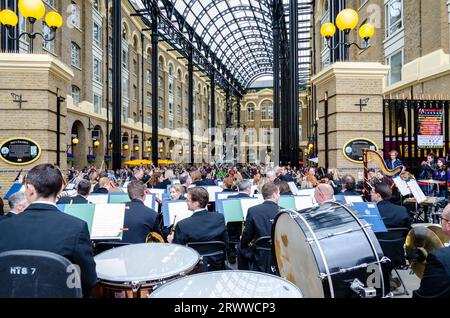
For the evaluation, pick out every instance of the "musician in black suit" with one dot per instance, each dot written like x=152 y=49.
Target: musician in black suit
x=435 y=282
x=202 y=226
x=17 y=204
x=83 y=189
x=258 y=224
x=235 y=228
x=140 y=220
x=103 y=186
x=349 y=186
x=394 y=216
x=43 y=227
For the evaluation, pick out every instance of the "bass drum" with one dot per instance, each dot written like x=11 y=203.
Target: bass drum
x=324 y=249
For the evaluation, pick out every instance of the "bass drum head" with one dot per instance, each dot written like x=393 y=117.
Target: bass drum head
x=292 y=254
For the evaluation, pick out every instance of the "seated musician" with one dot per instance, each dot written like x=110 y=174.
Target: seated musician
x=435 y=282
x=17 y=204
x=393 y=162
x=140 y=220
x=43 y=227
x=258 y=224
x=202 y=226
x=349 y=186
x=324 y=193
x=235 y=228
x=177 y=192
x=103 y=186
x=83 y=188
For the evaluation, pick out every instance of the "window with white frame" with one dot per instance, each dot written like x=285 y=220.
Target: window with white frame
x=97 y=71
x=125 y=87
x=76 y=95
x=97 y=103
x=125 y=59
x=395 y=61
x=161 y=121
x=161 y=105
x=160 y=82
x=110 y=77
x=267 y=110
x=51 y=3
x=96 y=5
x=48 y=45
x=148 y=120
x=125 y=111
x=75 y=15
x=97 y=34
x=149 y=99
x=394 y=16
x=149 y=77
x=251 y=112
x=75 y=55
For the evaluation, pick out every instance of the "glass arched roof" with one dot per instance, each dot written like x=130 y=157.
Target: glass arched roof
x=237 y=32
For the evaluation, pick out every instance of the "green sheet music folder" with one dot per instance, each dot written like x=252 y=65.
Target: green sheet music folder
x=232 y=210
x=83 y=212
x=287 y=202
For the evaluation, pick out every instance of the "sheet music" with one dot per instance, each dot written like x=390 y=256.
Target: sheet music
x=416 y=191
x=309 y=192
x=254 y=189
x=293 y=188
x=149 y=201
x=303 y=202
x=157 y=192
x=248 y=203
x=225 y=195
x=70 y=186
x=352 y=198
x=98 y=198
x=108 y=221
x=402 y=186
x=178 y=209
x=212 y=192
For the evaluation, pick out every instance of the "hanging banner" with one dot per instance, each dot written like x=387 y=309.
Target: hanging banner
x=430 y=128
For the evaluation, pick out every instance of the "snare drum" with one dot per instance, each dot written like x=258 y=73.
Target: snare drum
x=228 y=284
x=133 y=271
x=324 y=249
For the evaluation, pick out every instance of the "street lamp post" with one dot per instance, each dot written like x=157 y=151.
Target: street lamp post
x=346 y=21
x=33 y=11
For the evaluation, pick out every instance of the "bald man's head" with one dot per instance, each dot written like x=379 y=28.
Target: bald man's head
x=445 y=217
x=323 y=193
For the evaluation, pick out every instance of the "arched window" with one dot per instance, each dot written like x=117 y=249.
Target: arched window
x=267 y=110
x=76 y=93
x=251 y=112
x=75 y=15
x=75 y=55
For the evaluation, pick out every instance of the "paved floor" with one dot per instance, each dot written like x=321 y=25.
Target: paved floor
x=411 y=282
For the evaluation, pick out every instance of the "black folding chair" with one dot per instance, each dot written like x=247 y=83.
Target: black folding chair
x=392 y=244
x=262 y=256
x=38 y=274
x=213 y=254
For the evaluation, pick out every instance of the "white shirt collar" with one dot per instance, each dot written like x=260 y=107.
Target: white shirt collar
x=45 y=202
x=199 y=210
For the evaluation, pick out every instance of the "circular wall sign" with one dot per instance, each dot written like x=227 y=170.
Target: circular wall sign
x=20 y=151
x=353 y=149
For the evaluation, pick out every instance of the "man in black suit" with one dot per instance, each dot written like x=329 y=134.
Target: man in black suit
x=235 y=228
x=393 y=216
x=138 y=175
x=43 y=227
x=435 y=282
x=17 y=204
x=140 y=220
x=258 y=224
x=202 y=226
x=285 y=176
x=83 y=189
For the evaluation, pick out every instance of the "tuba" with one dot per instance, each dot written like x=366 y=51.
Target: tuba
x=372 y=155
x=422 y=240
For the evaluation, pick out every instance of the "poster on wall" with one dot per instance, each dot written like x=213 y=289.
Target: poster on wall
x=19 y=151
x=430 y=128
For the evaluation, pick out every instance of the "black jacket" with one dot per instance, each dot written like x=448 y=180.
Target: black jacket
x=6 y=216
x=351 y=193
x=393 y=215
x=101 y=191
x=239 y=196
x=78 y=199
x=259 y=223
x=436 y=279
x=140 y=220
x=43 y=227
x=203 y=226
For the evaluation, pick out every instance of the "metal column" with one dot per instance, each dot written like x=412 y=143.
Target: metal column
x=276 y=64
x=117 y=84
x=294 y=112
x=191 y=104
x=155 y=91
